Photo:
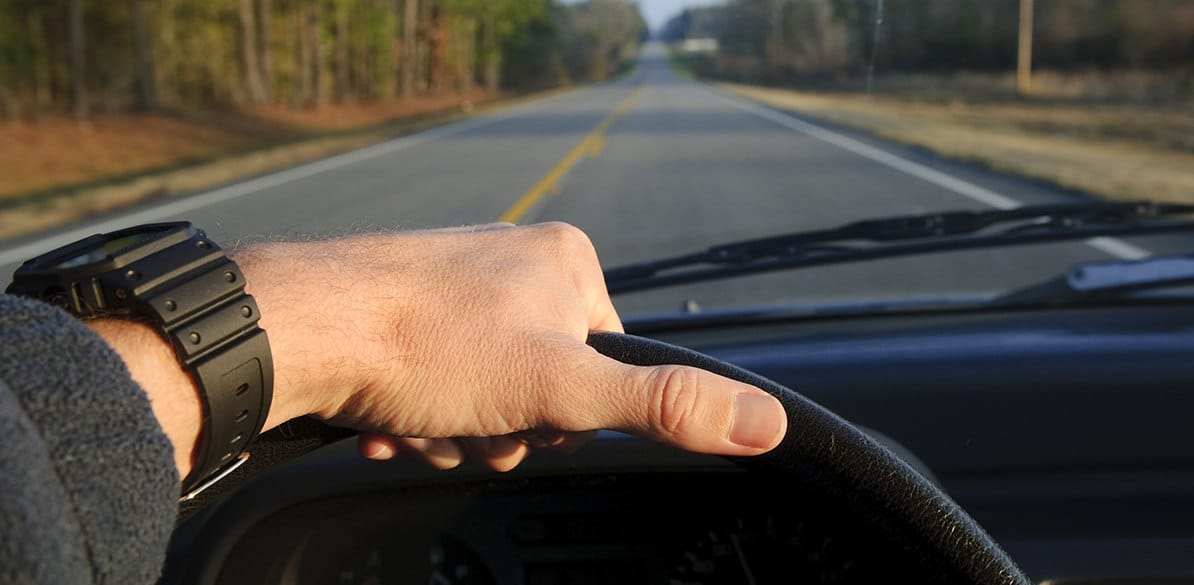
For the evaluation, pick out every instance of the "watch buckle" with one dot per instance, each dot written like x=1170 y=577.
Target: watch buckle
x=221 y=474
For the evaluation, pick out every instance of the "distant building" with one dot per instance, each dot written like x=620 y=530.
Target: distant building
x=707 y=45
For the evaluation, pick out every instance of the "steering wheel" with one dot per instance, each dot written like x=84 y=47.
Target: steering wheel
x=820 y=448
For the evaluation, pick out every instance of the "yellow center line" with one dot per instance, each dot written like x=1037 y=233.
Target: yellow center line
x=592 y=144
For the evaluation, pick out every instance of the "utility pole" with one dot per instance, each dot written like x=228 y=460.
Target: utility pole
x=1024 y=56
x=870 y=70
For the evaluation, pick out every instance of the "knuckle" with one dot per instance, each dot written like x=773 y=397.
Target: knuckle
x=675 y=400
x=566 y=236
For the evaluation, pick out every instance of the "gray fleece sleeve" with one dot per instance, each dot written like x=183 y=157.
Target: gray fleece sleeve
x=88 y=487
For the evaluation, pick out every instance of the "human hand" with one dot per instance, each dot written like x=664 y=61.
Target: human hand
x=446 y=341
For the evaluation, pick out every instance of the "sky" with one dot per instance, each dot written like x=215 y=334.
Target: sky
x=658 y=11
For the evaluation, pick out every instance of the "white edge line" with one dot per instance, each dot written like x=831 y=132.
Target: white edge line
x=192 y=202
x=1113 y=246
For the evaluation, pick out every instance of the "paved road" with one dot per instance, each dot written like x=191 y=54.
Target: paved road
x=649 y=165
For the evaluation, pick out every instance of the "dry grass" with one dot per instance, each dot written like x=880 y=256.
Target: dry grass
x=1112 y=151
x=55 y=172
x=58 y=153
x=54 y=154
x=46 y=212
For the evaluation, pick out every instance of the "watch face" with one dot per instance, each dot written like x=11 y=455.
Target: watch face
x=108 y=248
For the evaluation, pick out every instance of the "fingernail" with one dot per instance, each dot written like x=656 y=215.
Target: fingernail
x=757 y=420
x=381 y=451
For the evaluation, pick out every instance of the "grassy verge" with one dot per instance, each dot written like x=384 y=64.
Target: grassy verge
x=1120 y=151
x=56 y=172
x=682 y=65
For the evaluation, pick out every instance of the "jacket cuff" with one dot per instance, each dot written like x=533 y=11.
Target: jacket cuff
x=111 y=457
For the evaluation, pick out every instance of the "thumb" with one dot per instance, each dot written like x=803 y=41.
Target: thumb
x=682 y=406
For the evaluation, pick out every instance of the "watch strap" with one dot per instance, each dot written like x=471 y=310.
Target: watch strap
x=213 y=325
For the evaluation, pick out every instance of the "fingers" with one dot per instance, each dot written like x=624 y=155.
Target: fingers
x=439 y=453
x=685 y=407
x=557 y=441
x=501 y=453
x=498 y=453
x=572 y=442
x=377 y=447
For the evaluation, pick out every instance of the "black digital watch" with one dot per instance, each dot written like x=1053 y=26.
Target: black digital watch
x=173 y=276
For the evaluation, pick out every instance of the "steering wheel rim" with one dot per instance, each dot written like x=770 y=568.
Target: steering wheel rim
x=820 y=448
x=824 y=448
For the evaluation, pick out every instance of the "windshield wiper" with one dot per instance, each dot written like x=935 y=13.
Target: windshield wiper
x=905 y=236
x=1100 y=281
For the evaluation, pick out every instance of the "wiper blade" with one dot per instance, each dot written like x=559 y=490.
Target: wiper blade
x=1106 y=280
x=905 y=236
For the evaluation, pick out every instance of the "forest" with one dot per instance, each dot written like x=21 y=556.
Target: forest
x=82 y=57
x=786 y=40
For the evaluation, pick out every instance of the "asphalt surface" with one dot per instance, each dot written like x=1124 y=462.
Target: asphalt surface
x=649 y=165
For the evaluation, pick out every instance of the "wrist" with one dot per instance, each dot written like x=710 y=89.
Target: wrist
x=303 y=317
x=172 y=393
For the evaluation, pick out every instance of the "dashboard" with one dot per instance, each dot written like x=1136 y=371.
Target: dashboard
x=1066 y=433
x=623 y=510
x=627 y=528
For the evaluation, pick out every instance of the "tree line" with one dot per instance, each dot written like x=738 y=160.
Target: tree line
x=784 y=39
x=121 y=55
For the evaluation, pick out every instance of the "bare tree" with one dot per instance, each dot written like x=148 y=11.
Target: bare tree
x=314 y=24
x=143 y=68
x=78 y=72
x=410 y=30
x=265 y=62
x=42 y=74
x=493 y=56
x=300 y=80
x=309 y=90
x=1024 y=55
x=775 y=39
x=248 y=51
x=465 y=41
x=342 y=61
x=437 y=38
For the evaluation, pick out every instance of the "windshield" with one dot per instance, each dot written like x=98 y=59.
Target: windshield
x=660 y=127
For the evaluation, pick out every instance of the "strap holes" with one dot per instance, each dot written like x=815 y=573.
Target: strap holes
x=236 y=439
x=244 y=414
x=240 y=390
